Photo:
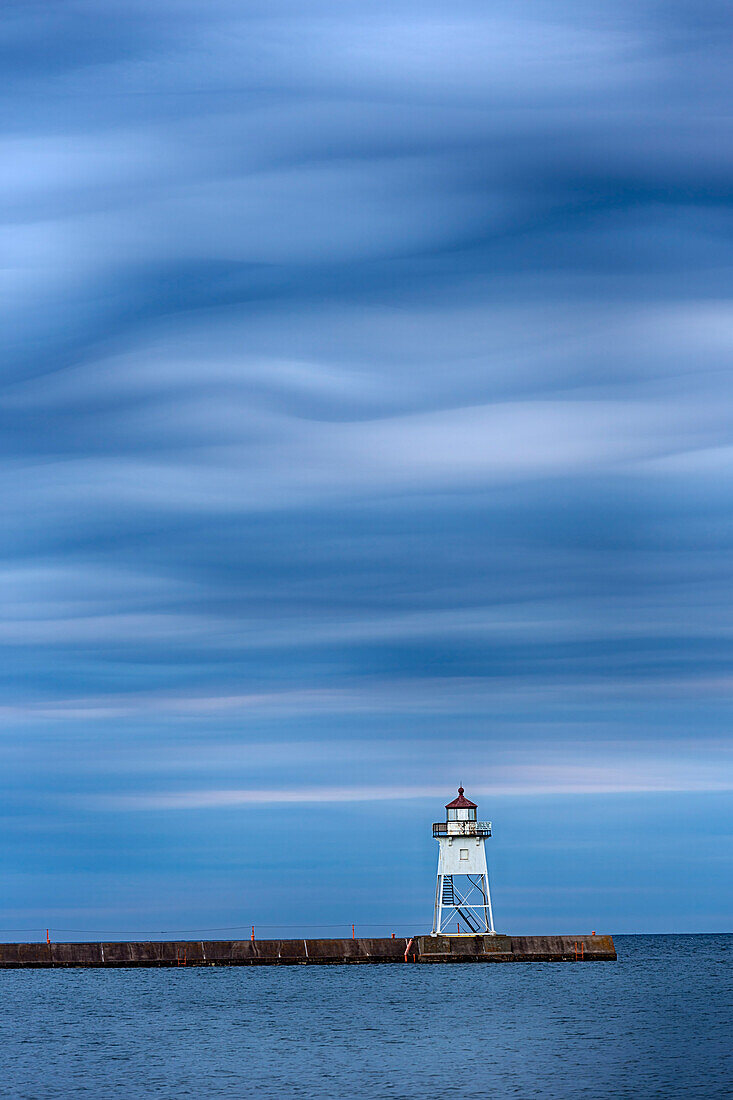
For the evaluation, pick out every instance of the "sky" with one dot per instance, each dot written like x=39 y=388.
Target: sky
x=366 y=428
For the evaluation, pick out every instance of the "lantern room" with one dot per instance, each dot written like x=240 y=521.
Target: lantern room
x=460 y=819
x=461 y=808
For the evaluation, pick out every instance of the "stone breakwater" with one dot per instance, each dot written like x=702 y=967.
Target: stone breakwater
x=417 y=949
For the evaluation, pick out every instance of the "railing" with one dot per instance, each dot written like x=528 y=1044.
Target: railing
x=462 y=828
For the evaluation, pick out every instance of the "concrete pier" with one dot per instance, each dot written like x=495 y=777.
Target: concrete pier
x=417 y=949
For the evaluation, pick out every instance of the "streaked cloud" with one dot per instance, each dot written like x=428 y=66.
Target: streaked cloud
x=572 y=781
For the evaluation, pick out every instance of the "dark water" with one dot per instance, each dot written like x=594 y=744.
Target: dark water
x=655 y=1024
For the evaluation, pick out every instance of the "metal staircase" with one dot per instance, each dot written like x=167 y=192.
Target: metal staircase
x=449 y=898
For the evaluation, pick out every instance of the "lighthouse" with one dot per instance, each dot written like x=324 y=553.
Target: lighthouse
x=462 y=897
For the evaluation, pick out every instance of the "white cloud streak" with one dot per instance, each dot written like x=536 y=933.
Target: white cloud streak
x=533 y=782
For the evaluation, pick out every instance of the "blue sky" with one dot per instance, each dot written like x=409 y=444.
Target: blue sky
x=365 y=428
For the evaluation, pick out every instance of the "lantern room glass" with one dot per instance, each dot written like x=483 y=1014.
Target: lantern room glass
x=462 y=815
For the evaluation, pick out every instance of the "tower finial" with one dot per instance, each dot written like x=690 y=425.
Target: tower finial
x=460 y=790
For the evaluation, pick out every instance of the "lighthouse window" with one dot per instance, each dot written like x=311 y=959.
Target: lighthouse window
x=464 y=853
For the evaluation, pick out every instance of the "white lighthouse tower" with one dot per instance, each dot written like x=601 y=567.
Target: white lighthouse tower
x=462 y=897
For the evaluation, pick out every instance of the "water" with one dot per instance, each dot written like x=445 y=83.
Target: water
x=655 y=1024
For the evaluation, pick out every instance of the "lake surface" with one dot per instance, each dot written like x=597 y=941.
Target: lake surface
x=655 y=1024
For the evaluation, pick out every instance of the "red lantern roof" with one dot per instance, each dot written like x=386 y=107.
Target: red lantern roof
x=461 y=803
